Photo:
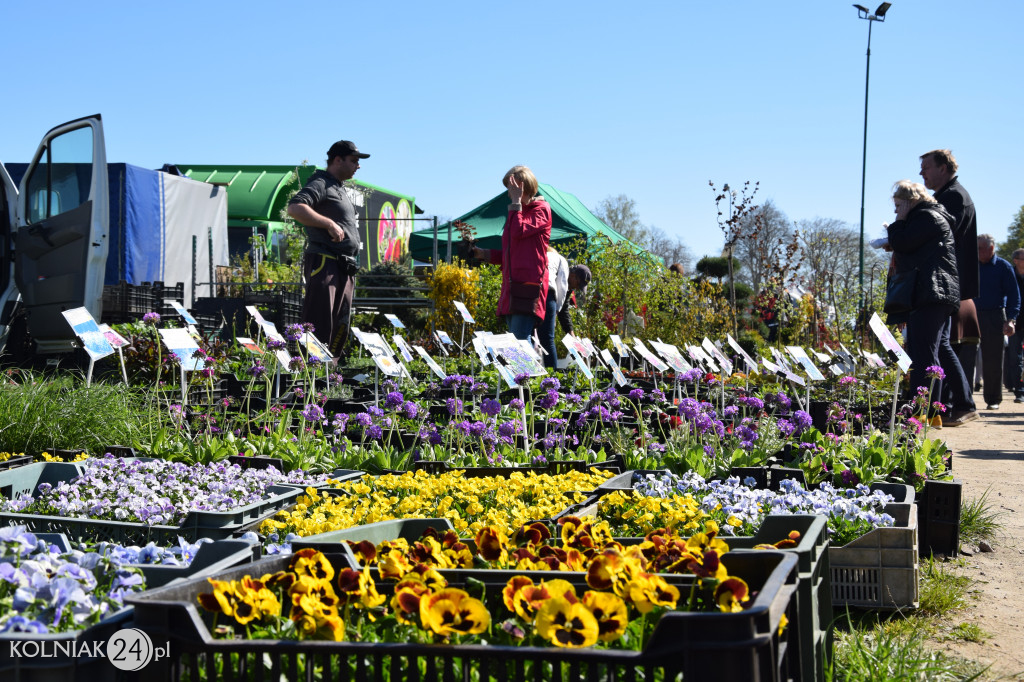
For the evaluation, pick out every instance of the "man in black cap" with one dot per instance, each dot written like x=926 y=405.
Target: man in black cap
x=330 y=262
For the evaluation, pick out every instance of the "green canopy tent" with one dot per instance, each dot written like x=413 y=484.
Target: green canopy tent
x=257 y=196
x=571 y=220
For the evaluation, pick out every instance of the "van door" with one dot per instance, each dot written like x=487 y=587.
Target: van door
x=60 y=244
x=8 y=219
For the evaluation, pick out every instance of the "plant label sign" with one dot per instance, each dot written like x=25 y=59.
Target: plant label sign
x=403 y=347
x=181 y=344
x=620 y=378
x=650 y=357
x=395 y=322
x=256 y=314
x=283 y=358
x=573 y=343
x=620 y=347
x=581 y=364
x=718 y=355
x=805 y=361
x=180 y=309
x=481 y=350
x=431 y=363
x=889 y=342
x=698 y=355
x=315 y=347
x=388 y=365
x=85 y=327
x=115 y=339
x=672 y=356
x=464 y=311
x=738 y=349
x=250 y=345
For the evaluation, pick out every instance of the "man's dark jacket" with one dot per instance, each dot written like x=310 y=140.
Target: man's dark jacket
x=923 y=241
x=955 y=199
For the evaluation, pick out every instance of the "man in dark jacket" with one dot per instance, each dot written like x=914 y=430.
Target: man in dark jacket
x=938 y=170
x=329 y=264
x=998 y=302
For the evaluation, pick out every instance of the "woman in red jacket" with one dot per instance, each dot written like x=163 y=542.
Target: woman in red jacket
x=523 y=254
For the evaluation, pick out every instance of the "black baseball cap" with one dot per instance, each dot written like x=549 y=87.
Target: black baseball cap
x=582 y=273
x=345 y=148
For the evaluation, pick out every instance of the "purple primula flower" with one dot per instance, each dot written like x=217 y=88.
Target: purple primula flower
x=363 y=419
x=410 y=410
x=802 y=420
x=548 y=400
x=573 y=398
x=152 y=319
x=730 y=411
x=294 y=332
x=935 y=372
x=847 y=380
x=521 y=378
x=490 y=407
x=785 y=427
x=636 y=394
x=753 y=403
x=276 y=344
x=550 y=383
x=374 y=432
x=313 y=413
x=516 y=404
x=454 y=406
x=393 y=400
x=688 y=408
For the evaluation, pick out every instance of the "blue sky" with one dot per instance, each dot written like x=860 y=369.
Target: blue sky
x=646 y=99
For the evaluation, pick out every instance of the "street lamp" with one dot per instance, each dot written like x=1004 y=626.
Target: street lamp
x=879 y=15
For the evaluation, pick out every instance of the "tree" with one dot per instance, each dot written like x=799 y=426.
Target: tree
x=620 y=214
x=762 y=237
x=1014 y=236
x=715 y=267
x=735 y=228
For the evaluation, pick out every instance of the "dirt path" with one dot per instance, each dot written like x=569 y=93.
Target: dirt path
x=989 y=455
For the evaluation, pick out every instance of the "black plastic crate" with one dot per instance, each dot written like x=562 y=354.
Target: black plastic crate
x=938 y=518
x=749 y=645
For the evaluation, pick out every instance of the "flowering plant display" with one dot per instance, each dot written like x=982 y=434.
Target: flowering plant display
x=154 y=492
x=311 y=600
x=45 y=591
x=655 y=502
x=468 y=503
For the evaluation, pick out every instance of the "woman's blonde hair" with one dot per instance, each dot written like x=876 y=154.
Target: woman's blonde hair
x=525 y=176
x=911 y=191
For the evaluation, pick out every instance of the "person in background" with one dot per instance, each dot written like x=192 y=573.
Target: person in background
x=576 y=280
x=558 y=287
x=1013 y=364
x=965 y=336
x=998 y=302
x=523 y=254
x=921 y=240
x=938 y=171
x=330 y=262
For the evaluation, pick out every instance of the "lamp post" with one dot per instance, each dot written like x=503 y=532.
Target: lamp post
x=879 y=15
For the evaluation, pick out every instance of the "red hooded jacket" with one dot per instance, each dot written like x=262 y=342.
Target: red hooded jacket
x=524 y=252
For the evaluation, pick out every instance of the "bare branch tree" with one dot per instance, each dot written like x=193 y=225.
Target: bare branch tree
x=620 y=214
